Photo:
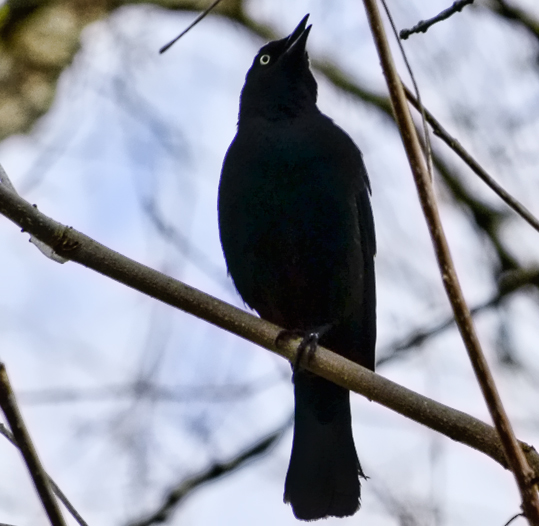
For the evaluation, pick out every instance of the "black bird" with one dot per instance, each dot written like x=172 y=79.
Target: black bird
x=298 y=237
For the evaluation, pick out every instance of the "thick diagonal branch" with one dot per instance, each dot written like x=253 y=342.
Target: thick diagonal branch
x=77 y=247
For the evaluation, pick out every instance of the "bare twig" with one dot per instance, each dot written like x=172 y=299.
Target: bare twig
x=84 y=250
x=40 y=478
x=428 y=145
x=424 y=25
x=55 y=488
x=517 y=461
x=455 y=145
x=175 y=496
x=190 y=26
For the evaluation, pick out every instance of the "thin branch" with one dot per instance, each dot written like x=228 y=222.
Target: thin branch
x=510 y=283
x=79 y=248
x=424 y=25
x=175 y=496
x=455 y=145
x=224 y=393
x=426 y=135
x=18 y=428
x=57 y=491
x=419 y=337
x=179 y=240
x=513 y=518
x=516 y=459
x=191 y=26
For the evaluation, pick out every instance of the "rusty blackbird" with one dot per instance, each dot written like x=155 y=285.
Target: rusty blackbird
x=297 y=232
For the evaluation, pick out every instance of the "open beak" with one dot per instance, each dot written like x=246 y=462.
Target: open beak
x=297 y=40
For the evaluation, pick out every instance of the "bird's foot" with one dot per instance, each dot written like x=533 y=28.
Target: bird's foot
x=308 y=343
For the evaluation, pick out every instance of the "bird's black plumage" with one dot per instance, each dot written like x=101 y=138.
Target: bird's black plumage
x=298 y=236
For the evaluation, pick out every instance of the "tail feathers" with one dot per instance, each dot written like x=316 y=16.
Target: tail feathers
x=323 y=475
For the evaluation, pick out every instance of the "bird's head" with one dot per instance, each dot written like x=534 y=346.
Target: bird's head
x=279 y=83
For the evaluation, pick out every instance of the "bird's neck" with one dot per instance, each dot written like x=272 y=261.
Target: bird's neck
x=277 y=112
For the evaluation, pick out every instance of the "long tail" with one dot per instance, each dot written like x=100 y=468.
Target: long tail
x=323 y=475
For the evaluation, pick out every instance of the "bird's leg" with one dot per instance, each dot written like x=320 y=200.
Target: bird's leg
x=308 y=343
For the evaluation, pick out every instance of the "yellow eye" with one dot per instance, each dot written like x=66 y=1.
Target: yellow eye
x=265 y=60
